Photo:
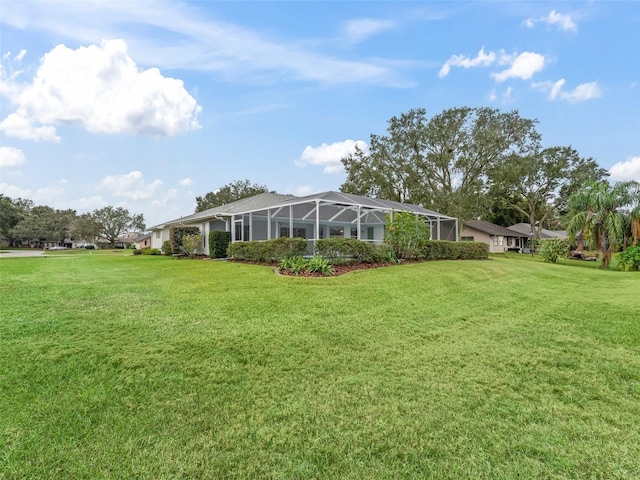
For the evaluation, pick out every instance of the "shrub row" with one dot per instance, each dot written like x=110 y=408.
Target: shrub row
x=446 y=250
x=219 y=243
x=268 y=251
x=147 y=251
x=346 y=250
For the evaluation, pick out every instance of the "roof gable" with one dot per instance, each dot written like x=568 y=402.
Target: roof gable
x=492 y=228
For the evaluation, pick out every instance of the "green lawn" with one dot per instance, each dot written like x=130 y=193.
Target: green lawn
x=116 y=366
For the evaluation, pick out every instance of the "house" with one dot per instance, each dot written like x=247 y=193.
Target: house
x=322 y=215
x=143 y=241
x=500 y=239
x=525 y=229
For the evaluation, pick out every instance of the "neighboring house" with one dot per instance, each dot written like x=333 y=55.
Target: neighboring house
x=127 y=240
x=525 y=229
x=500 y=239
x=322 y=215
x=143 y=241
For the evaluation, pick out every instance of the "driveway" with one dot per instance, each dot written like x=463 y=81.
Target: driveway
x=22 y=253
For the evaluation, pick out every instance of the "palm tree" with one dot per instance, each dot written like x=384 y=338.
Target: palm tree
x=599 y=217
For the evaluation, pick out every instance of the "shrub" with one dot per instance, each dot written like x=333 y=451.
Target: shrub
x=297 y=265
x=551 y=250
x=341 y=250
x=318 y=264
x=166 y=247
x=218 y=244
x=406 y=234
x=151 y=251
x=268 y=251
x=446 y=250
x=190 y=243
x=629 y=260
x=137 y=252
x=176 y=235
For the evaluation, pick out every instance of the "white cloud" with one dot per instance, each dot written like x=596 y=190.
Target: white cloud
x=11 y=157
x=100 y=88
x=584 y=91
x=554 y=90
x=628 y=170
x=562 y=22
x=185 y=182
x=304 y=190
x=17 y=126
x=524 y=66
x=329 y=156
x=131 y=186
x=86 y=204
x=506 y=96
x=186 y=37
x=481 y=60
x=361 y=29
x=14 y=191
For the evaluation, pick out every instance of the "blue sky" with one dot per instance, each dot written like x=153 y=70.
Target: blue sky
x=148 y=104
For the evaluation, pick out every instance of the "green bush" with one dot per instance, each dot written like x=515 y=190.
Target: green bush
x=151 y=251
x=553 y=249
x=218 y=244
x=406 y=234
x=318 y=264
x=297 y=265
x=345 y=250
x=166 y=247
x=446 y=250
x=190 y=244
x=267 y=251
x=176 y=235
x=137 y=252
x=629 y=260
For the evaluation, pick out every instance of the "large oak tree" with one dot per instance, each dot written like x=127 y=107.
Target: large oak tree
x=441 y=163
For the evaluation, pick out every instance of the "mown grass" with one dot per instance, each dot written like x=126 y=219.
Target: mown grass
x=149 y=367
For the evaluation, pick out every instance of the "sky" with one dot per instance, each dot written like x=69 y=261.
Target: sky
x=148 y=104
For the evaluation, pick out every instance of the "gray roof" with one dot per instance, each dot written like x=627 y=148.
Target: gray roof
x=340 y=198
x=256 y=202
x=525 y=229
x=493 y=229
x=345 y=207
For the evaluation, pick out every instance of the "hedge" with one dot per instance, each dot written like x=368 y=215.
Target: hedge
x=345 y=250
x=218 y=244
x=446 y=250
x=268 y=251
x=176 y=234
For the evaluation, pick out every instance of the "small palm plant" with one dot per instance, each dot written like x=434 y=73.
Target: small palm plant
x=599 y=217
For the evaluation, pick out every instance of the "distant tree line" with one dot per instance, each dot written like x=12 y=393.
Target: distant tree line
x=21 y=221
x=231 y=192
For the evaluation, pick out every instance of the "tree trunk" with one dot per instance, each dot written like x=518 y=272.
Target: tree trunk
x=606 y=252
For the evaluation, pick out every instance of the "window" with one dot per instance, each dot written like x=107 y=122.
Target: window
x=466 y=239
x=297 y=232
x=336 y=232
x=158 y=233
x=240 y=231
x=354 y=232
x=498 y=240
x=509 y=241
